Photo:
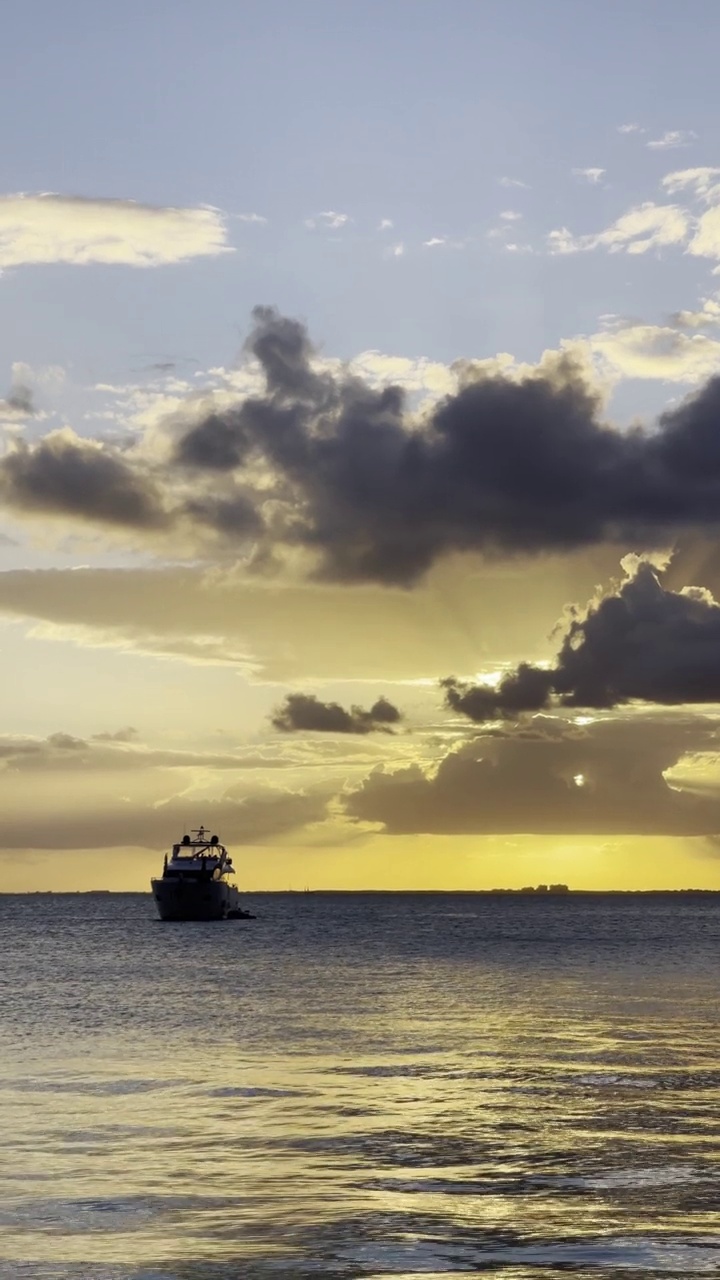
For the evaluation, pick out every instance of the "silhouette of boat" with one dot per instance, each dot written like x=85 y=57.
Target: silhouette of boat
x=195 y=883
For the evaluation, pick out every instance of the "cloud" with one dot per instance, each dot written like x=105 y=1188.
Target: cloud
x=328 y=221
x=302 y=711
x=552 y=777
x=108 y=761
x=386 y=224
x=592 y=176
x=256 y=218
x=630 y=128
x=222 y=616
x=702 y=181
x=706 y=241
x=511 y=215
x=321 y=474
x=562 y=241
x=508 y=463
x=444 y=242
x=66 y=475
x=641 y=642
x=111 y=753
x=707 y=316
x=79 y=230
x=646 y=227
x=19 y=402
x=655 y=351
x=528 y=688
x=513 y=182
x=396 y=251
x=672 y=138
x=243 y=819
x=128 y=734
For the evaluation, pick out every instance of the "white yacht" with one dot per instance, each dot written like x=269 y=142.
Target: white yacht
x=195 y=883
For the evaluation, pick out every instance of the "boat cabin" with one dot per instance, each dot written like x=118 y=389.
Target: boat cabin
x=198 y=856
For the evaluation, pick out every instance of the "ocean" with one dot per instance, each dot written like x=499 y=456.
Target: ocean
x=360 y=1086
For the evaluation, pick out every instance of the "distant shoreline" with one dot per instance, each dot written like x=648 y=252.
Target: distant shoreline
x=317 y=893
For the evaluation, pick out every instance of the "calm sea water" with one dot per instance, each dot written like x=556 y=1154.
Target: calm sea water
x=407 y=1085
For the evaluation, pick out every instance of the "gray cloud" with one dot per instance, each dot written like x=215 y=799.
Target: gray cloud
x=301 y=711
x=641 y=642
x=127 y=734
x=504 y=465
x=461 y=614
x=19 y=402
x=66 y=475
x=256 y=819
x=66 y=742
x=526 y=689
x=118 y=753
x=551 y=778
x=353 y=486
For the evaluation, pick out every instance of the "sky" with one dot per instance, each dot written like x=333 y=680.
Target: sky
x=360 y=442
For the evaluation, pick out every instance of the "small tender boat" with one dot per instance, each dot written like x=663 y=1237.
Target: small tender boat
x=195 y=883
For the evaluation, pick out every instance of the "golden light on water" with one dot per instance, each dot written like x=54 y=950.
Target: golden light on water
x=356 y=1084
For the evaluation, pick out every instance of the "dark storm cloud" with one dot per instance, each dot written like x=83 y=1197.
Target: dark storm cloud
x=301 y=711
x=641 y=642
x=370 y=491
x=525 y=689
x=64 y=475
x=504 y=465
x=324 y=463
x=235 y=515
x=556 y=779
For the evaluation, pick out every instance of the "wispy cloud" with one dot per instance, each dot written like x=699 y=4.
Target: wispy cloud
x=397 y=250
x=518 y=248
x=655 y=351
x=386 y=224
x=673 y=138
x=592 y=176
x=20 y=402
x=706 y=241
x=448 y=242
x=80 y=230
x=329 y=220
x=706 y=317
x=562 y=241
x=513 y=182
x=510 y=215
x=704 y=184
x=250 y=217
x=631 y=128
x=646 y=227
x=702 y=181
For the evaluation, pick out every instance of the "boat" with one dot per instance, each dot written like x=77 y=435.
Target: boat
x=195 y=883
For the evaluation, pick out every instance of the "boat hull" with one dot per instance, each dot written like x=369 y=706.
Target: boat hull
x=192 y=900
